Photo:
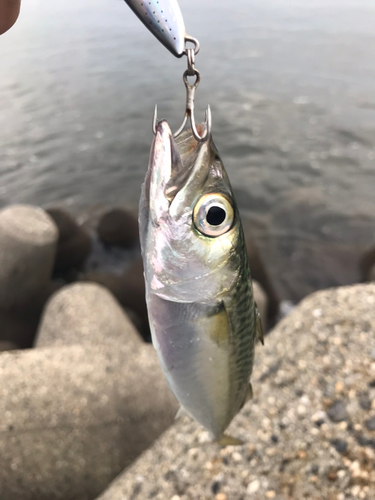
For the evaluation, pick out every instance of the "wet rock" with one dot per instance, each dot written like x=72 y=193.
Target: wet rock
x=370 y=424
x=118 y=227
x=315 y=351
x=74 y=243
x=129 y=290
x=28 y=238
x=259 y=274
x=72 y=417
x=337 y=411
x=83 y=313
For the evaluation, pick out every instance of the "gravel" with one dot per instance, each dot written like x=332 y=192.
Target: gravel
x=306 y=434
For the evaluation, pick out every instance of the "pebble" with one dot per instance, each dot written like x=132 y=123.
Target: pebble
x=221 y=496
x=253 y=487
x=364 y=401
x=319 y=416
x=215 y=487
x=370 y=424
x=337 y=411
x=339 y=444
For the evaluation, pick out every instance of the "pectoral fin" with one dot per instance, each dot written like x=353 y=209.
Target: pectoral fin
x=258 y=325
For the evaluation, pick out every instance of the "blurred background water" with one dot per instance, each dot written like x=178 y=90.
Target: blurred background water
x=291 y=87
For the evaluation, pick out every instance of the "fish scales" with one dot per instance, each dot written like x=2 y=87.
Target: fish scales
x=198 y=285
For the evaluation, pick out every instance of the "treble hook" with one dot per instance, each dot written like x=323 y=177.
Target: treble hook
x=190 y=95
x=189 y=111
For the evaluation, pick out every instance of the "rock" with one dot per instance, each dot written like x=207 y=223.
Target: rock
x=129 y=290
x=261 y=300
x=83 y=313
x=118 y=227
x=73 y=417
x=313 y=352
x=28 y=239
x=259 y=274
x=337 y=411
x=74 y=243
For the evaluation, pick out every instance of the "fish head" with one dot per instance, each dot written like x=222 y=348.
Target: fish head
x=189 y=223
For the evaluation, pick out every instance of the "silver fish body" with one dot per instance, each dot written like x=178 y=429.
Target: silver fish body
x=164 y=19
x=198 y=289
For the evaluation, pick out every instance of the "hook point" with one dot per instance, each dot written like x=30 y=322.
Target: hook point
x=155 y=119
x=208 y=119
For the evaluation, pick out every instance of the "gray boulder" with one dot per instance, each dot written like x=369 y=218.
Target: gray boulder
x=84 y=313
x=28 y=238
x=322 y=353
x=73 y=417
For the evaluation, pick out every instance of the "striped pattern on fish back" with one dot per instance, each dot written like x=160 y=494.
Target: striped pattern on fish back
x=241 y=311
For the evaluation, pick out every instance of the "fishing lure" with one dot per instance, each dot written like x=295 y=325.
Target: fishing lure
x=203 y=317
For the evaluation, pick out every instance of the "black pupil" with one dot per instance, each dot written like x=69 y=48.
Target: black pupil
x=215 y=216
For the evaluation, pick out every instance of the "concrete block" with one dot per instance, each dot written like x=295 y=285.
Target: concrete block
x=84 y=313
x=73 y=417
x=28 y=238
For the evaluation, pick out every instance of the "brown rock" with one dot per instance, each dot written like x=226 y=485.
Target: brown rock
x=74 y=242
x=118 y=227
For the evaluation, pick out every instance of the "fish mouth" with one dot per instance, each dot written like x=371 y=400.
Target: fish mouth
x=172 y=160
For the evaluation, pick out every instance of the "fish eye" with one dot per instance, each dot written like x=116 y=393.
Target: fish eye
x=213 y=215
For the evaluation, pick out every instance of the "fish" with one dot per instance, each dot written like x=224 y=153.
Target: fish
x=164 y=19
x=203 y=318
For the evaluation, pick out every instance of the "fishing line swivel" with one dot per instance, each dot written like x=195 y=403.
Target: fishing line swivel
x=190 y=95
x=163 y=18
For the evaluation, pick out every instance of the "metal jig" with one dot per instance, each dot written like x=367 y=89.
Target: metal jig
x=190 y=95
